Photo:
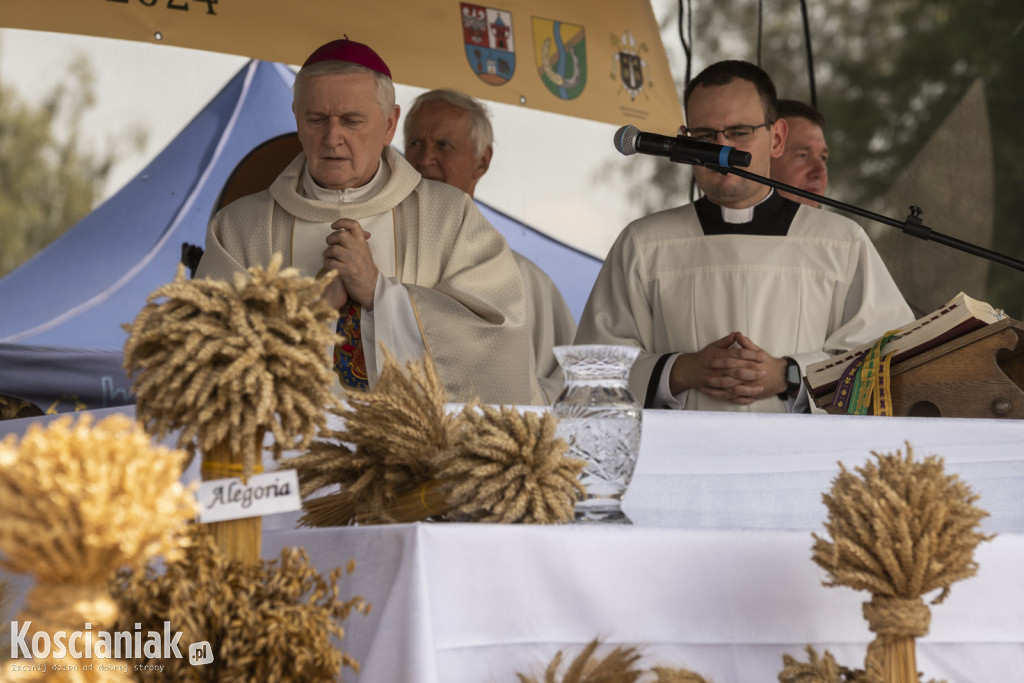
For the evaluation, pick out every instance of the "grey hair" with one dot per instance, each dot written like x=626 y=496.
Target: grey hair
x=480 y=131
x=385 y=88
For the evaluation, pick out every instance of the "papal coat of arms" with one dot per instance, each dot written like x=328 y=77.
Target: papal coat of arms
x=490 y=44
x=560 y=51
x=628 y=63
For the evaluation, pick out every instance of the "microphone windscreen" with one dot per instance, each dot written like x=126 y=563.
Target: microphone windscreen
x=625 y=139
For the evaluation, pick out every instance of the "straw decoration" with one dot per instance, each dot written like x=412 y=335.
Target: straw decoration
x=389 y=446
x=900 y=530
x=77 y=503
x=223 y=361
x=615 y=667
x=266 y=621
x=823 y=669
x=667 y=675
x=815 y=670
x=508 y=467
x=402 y=425
x=401 y=457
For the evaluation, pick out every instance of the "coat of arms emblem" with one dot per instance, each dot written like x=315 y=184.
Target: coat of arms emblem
x=628 y=64
x=490 y=44
x=560 y=50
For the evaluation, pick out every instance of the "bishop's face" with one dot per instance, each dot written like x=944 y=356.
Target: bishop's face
x=343 y=129
x=735 y=104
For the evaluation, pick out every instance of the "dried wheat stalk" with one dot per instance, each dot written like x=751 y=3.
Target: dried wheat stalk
x=77 y=503
x=669 y=675
x=266 y=621
x=401 y=457
x=900 y=530
x=388 y=446
x=615 y=667
x=508 y=466
x=815 y=670
x=224 y=361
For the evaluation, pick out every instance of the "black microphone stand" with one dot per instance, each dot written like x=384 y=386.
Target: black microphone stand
x=912 y=225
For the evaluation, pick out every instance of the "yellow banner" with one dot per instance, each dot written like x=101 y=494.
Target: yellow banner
x=599 y=61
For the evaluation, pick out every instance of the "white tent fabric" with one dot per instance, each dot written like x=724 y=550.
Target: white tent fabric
x=61 y=334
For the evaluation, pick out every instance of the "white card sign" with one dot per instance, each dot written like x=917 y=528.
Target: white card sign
x=263 y=494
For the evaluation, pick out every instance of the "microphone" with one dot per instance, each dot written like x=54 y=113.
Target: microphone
x=628 y=140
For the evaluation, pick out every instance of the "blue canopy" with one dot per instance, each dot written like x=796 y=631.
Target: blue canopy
x=61 y=334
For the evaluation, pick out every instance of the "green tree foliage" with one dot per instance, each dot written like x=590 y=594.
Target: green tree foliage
x=49 y=176
x=888 y=73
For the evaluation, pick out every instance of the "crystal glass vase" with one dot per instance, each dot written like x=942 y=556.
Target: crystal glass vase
x=600 y=420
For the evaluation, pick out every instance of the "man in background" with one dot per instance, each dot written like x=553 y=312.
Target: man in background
x=729 y=298
x=420 y=271
x=804 y=160
x=449 y=138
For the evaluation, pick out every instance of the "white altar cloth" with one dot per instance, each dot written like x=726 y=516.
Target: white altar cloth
x=460 y=603
x=715 y=574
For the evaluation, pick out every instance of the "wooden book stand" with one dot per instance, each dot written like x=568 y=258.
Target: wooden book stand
x=980 y=374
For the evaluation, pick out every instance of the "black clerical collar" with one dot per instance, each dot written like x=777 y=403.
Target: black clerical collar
x=772 y=216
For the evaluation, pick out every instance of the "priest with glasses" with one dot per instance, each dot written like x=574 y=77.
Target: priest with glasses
x=730 y=297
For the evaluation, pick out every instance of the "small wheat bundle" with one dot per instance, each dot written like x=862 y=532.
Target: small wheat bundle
x=823 y=669
x=615 y=667
x=225 y=363
x=389 y=446
x=900 y=530
x=77 y=503
x=670 y=675
x=266 y=621
x=509 y=467
x=402 y=457
x=817 y=669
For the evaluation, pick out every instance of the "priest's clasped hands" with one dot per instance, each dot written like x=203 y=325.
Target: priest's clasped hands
x=732 y=368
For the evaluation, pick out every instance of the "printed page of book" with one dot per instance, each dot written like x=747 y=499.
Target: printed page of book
x=960 y=315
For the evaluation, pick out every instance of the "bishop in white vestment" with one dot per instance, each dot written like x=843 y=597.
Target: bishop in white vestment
x=425 y=272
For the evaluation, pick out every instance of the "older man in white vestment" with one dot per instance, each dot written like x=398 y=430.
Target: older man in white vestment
x=448 y=137
x=731 y=297
x=420 y=271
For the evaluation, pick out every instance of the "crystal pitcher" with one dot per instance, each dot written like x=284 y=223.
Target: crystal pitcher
x=600 y=420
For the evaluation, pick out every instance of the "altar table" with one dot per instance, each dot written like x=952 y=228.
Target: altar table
x=713 y=575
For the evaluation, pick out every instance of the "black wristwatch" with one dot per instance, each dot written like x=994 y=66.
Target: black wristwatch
x=792 y=376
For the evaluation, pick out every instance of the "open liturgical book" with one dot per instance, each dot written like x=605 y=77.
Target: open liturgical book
x=957 y=317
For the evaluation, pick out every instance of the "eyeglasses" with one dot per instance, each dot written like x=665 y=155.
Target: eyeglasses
x=732 y=133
